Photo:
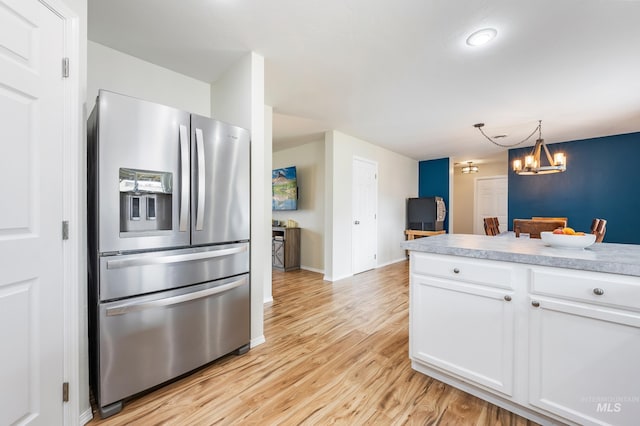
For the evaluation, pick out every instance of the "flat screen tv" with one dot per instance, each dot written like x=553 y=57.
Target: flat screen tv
x=426 y=213
x=284 y=183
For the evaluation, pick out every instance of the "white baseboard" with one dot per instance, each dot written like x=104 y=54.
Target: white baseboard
x=86 y=416
x=268 y=301
x=403 y=259
x=333 y=279
x=257 y=341
x=309 y=268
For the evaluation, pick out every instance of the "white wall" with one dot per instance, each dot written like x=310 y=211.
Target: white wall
x=238 y=98
x=310 y=167
x=231 y=95
x=116 y=71
x=397 y=181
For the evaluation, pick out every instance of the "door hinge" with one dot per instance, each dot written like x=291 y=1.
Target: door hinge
x=65 y=67
x=65 y=392
x=65 y=229
x=375 y=256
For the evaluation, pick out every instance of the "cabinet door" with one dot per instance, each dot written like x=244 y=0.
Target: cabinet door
x=463 y=329
x=277 y=252
x=584 y=362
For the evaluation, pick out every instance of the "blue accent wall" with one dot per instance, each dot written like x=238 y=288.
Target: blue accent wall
x=601 y=181
x=433 y=180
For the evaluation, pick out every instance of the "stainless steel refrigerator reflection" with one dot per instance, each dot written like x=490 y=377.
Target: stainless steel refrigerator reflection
x=168 y=210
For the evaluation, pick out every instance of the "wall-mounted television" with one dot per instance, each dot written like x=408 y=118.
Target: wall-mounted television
x=284 y=183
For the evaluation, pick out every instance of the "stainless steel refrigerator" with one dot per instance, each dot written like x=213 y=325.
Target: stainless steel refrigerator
x=168 y=224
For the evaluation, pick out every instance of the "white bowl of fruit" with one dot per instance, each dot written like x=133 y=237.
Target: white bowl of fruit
x=567 y=238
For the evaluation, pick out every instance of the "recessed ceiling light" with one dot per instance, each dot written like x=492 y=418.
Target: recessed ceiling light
x=482 y=36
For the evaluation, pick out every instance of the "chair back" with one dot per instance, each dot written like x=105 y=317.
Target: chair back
x=535 y=227
x=550 y=218
x=599 y=228
x=491 y=226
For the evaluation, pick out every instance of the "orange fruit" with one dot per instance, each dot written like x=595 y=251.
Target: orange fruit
x=568 y=231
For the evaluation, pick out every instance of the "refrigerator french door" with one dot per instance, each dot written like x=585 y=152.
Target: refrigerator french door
x=168 y=220
x=220 y=194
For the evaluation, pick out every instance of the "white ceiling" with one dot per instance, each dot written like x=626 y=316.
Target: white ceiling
x=398 y=73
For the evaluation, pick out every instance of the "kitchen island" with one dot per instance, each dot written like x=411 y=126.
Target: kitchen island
x=551 y=334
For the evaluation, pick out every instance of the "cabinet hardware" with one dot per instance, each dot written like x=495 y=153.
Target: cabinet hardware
x=456 y=270
x=535 y=303
x=507 y=298
x=598 y=291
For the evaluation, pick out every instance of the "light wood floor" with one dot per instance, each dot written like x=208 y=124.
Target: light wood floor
x=336 y=353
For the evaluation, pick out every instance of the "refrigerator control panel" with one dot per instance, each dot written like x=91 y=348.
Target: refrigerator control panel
x=146 y=199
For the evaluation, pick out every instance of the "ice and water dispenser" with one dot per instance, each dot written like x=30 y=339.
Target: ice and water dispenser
x=145 y=200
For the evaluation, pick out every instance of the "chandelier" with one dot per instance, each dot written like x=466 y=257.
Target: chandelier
x=532 y=164
x=469 y=168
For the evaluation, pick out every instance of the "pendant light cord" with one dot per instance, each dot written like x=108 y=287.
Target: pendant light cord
x=537 y=129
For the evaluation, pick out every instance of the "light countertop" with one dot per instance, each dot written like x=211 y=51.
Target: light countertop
x=621 y=259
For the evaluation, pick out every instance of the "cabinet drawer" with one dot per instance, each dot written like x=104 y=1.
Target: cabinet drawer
x=484 y=272
x=590 y=287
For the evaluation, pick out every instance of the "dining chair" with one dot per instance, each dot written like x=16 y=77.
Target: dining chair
x=599 y=228
x=566 y=220
x=491 y=226
x=535 y=227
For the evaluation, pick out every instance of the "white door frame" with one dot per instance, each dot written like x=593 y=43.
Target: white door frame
x=74 y=186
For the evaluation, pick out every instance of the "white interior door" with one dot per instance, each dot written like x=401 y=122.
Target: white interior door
x=31 y=251
x=365 y=210
x=491 y=201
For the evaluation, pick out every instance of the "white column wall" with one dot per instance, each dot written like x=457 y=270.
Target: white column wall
x=238 y=98
x=267 y=297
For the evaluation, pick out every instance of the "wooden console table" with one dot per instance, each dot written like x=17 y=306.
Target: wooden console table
x=413 y=234
x=285 y=248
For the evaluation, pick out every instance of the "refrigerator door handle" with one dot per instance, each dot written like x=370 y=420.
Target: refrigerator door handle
x=201 y=180
x=184 y=177
x=129 y=307
x=176 y=258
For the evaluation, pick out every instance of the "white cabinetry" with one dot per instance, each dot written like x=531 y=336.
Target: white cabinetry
x=555 y=345
x=584 y=345
x=462 y=319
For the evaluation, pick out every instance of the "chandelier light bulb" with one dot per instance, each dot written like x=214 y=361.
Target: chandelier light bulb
x=559 y=159
x=517 y=165
x=528 y=161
